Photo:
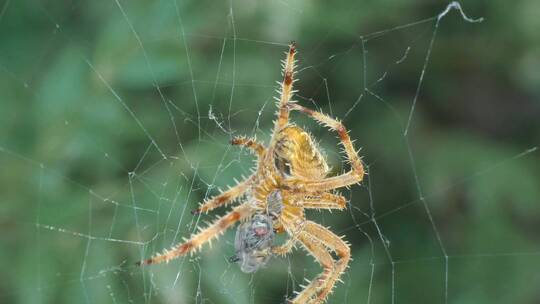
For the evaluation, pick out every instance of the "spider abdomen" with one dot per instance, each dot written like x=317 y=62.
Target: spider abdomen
x=296 y=154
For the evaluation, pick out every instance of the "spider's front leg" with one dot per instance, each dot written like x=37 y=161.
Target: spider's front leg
x=356 y=173
x=205 y=235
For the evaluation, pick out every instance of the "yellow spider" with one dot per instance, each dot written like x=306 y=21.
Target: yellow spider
x=291 y=176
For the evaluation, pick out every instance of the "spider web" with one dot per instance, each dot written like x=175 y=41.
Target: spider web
x=103 y=163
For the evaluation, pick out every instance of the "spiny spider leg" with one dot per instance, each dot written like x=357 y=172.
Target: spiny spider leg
x=318 y=241
x=205 y=235
x=323 y=257
x=286 y=89
x=225 y=197
x=355 y=175
x=290 y=222
x=236 y=191
x=323 y=200
x=336 y=244
x=251 y=143
x=285 y=248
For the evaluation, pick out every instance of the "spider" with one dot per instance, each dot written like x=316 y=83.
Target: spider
x=291 y=175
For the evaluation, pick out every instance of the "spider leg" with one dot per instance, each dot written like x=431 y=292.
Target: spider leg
x=237 y=190
x=356 y=173
x=286 y=89
x=205 y=235
x=251 y=143
x=285 y=248
x=323 y=200
x=318 y=241
x=336 y=244
x=224 y=198
x=309 y=294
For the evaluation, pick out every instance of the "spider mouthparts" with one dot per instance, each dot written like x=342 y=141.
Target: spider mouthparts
x=195 y=212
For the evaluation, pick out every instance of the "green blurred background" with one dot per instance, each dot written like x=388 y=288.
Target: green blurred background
x=449 y=214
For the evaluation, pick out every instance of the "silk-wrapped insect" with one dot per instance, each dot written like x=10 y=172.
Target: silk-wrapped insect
x=253 y=243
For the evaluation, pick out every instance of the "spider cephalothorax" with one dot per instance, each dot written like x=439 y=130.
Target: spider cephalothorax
x=291 y=175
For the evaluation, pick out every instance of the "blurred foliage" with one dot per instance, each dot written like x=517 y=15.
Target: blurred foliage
x=86 y=86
